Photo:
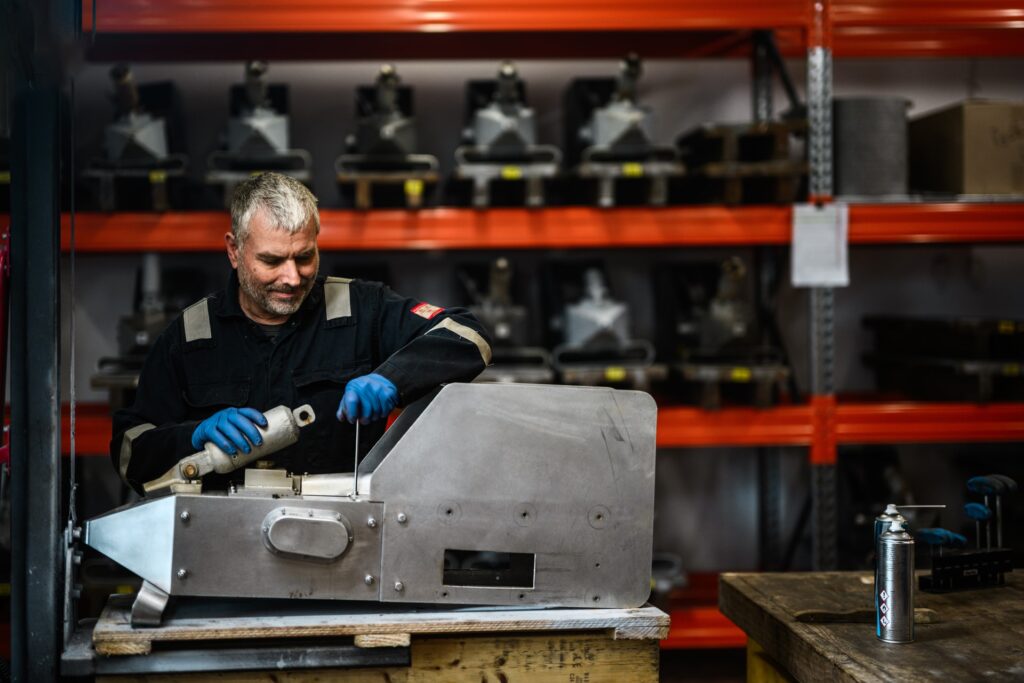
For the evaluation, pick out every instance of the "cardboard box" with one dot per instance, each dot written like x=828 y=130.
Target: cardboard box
x=974 y=147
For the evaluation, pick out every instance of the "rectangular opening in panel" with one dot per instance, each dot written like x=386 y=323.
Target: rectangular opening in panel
x=488 y=569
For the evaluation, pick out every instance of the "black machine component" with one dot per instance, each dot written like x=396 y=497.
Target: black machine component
x=257 y=136
x=948 y=359
x=593 y=330
x=160 y=295
x=514 y=359
x=140 y=168
x=715 y=335
x=608 y=140
x=500 y=158
x=961 y=570
x=380 y=166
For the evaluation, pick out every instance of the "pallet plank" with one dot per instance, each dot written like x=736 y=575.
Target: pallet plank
x=114 y=634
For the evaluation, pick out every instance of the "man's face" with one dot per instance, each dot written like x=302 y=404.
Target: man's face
x=276 y=271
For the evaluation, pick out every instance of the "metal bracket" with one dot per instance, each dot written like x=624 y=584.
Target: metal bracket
x=150 y=603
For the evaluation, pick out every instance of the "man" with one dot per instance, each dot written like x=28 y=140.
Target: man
x=278 y=334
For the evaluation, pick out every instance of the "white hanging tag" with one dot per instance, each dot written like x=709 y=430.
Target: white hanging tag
x=819 y=245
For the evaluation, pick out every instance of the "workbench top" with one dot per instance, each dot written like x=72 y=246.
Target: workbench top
x=976 y=635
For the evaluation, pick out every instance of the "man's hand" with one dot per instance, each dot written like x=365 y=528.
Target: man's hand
x=231 y=430
x=367 y=399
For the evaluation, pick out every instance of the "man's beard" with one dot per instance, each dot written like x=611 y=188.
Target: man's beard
x=261 y=294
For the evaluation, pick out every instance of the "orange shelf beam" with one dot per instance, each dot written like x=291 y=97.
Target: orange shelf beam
x=936 y=222
x=1006 y=14
x=448 y=228
x=867 y=423
x=688 y=427
x=685 y=427
x=702 y=628
x=430 y=16
x=558 y=228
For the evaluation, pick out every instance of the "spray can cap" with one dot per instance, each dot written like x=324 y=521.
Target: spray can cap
x=890 y=509
x=896 y=526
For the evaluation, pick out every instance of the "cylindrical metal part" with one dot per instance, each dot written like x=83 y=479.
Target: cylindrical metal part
x=894 y=586
x=282 y=430
x=870 y=143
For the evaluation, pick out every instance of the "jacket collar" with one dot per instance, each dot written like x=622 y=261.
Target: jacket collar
x=228 y=305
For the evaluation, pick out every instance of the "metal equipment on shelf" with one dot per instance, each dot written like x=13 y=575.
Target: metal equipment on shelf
x=380 y=166
x=756 y=163
x=513 y=359
x=257 y=136
x=160 y=296
x=137 y=150
x=597 y=346
x=608 y=139
x=715 y=337
x=547 y=500
x=500 y=150
x=948 y=359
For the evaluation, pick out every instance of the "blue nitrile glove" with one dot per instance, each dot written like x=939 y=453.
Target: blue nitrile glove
x=231 y=430
x=367 y=399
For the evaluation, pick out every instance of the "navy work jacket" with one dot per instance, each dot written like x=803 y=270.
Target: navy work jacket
x=213 y=356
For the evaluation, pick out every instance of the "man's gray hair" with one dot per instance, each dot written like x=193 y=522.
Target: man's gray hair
x=288 y=202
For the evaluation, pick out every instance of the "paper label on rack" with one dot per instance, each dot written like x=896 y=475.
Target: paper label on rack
x=819 y=247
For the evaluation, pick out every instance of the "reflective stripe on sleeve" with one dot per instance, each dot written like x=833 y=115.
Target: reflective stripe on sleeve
x=467 y=333
x=126 y=447
x=197 y=321
x=338 y=297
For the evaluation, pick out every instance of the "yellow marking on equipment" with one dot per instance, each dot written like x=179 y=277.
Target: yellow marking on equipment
x=632 y=170
x=5 y=177
x=740 y=374
x=615 y=374
x=511 y=173
x=413 y=187
x=1011 y=369
x=1006 y=327
x=158 y=176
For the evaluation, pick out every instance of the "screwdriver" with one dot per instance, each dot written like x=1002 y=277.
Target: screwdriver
x=987 y=486
x=979 y=513
x=1010 y=487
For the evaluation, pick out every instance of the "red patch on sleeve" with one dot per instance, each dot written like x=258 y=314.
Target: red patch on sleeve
x=425 y=310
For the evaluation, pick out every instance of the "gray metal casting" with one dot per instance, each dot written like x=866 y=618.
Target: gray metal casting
x=282 y=430
x=596 y=318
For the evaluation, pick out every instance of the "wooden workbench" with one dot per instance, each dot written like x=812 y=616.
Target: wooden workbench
x=443 y=644
x=976 y=635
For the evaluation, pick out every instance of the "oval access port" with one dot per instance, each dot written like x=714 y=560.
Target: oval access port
x=306 y=533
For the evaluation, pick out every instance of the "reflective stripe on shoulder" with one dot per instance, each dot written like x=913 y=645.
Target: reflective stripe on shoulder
x=197 y=321
x=126 y=447
x=338 y=297
x=467 y=333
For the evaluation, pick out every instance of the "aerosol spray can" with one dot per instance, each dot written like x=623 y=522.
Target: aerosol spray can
x=884 y=521
x=894 y=586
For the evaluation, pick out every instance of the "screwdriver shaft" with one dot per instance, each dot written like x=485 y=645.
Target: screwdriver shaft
x=355 y=466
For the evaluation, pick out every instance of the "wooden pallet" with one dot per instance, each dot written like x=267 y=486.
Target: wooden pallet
x=453 y=644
